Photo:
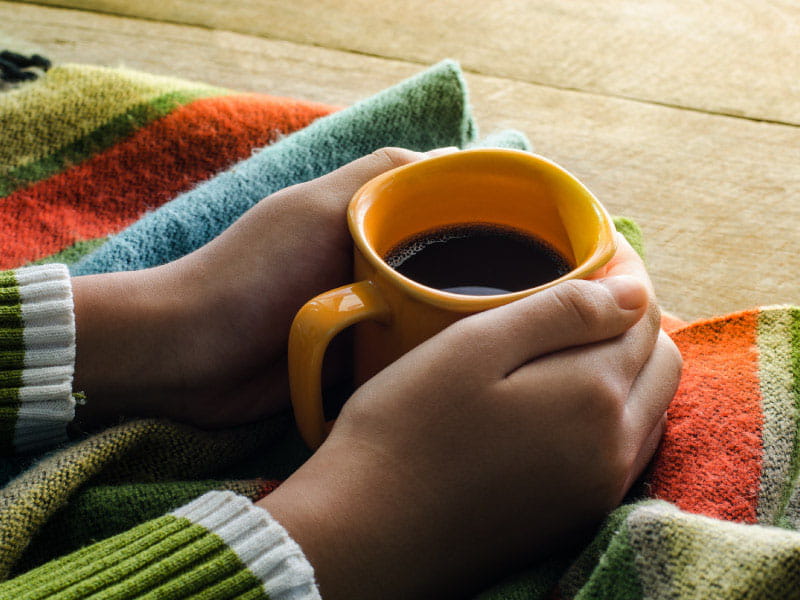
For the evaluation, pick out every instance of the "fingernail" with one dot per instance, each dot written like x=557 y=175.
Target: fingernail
x=441 y=151
x=628 y=291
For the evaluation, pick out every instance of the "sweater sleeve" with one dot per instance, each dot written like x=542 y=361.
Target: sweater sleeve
x=37 y=357
x=217 y=546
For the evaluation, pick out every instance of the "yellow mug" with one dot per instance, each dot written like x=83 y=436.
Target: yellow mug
x=506 y=188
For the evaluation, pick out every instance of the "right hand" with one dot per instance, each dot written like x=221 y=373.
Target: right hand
x=492 y=444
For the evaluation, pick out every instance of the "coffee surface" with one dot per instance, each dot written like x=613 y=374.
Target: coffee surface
x=477 y=259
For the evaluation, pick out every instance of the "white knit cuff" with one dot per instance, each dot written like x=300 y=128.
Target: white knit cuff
x=259 y=541
x=43 y=347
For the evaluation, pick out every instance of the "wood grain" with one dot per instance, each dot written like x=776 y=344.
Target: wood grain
x=734 y=57
x=718 y=197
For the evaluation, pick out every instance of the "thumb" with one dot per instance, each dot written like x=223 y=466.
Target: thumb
x=572 y=313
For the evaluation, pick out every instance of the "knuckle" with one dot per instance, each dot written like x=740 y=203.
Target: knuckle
x=580 y=303
x=476 y=339
x=606 y=395
x=393 y=157
x=469 y=334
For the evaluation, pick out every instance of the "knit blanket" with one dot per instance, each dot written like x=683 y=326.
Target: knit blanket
x=111 y=169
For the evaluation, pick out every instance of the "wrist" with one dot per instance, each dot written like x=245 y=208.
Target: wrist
x=130 y=338
x=355 y=529
x=316 y=526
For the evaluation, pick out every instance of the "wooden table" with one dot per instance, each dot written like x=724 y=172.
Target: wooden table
x=683 y=115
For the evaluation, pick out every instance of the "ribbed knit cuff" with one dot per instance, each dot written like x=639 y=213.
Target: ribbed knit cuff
x=218 y=546
x=259 y=541
x=37 y=356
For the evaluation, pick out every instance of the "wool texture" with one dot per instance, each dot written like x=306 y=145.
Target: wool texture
x=110 y=169
x=425 y=112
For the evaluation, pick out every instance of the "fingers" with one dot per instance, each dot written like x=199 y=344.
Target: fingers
x=348 y=179
x=574 y=313
x=646 y=451
x=655 y=385
x=648 y=401
x=606 y=368
x=337 y=188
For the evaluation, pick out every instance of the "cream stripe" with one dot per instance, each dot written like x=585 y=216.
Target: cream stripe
x=47 y=375
x=39 y=274
x=47 y=315
x=682 y=555
x=46 y=402
x=792 y=512
x=778 y=406
x=42 y=424
x=258 y=540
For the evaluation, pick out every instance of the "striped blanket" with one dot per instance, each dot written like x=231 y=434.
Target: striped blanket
x=110 y=169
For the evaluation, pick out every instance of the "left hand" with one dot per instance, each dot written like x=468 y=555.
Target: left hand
x=203 y=339
x=502 y=439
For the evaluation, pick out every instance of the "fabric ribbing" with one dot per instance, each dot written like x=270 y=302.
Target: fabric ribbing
x=37 y=346
x=258 y=540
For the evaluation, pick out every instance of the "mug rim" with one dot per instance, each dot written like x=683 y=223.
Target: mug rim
x=357 y=209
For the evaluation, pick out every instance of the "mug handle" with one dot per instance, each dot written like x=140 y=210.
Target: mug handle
x=313 y=328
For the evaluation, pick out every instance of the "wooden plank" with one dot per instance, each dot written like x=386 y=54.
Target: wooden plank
x=734 y=57
x=716 y=196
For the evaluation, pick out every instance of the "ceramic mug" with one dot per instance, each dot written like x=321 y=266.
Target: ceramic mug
x=508 y=188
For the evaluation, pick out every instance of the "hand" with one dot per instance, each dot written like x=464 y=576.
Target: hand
x=492 y=444
x=203 y=339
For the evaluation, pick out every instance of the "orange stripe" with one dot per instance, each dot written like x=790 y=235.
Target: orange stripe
x=710 y=459
x=113 y=189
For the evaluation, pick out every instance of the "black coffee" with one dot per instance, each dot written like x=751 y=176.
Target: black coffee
x=477 y=259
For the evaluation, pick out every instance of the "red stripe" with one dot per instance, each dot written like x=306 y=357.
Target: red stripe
x=710 y=459
x=108 y=192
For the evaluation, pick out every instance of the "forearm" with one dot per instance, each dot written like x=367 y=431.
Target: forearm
x=129 y=327
x=363 y=539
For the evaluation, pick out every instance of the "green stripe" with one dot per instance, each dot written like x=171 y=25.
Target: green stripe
x=70 y=570
x=11 y=315
x=606 y=568
x=69 y=103
x=9 y=295
x=239 y=586
x=10 y=302
x=102 y=511
x=9 y=290
x=7 y=428
x=10 y=378
x=101 y=138
x=8 y=279
x=12 y=358
x=11 y=338
x=166 y=557
x=73 y=253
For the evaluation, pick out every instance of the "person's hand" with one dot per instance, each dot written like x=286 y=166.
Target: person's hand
x=203 y=339
x=493 y=443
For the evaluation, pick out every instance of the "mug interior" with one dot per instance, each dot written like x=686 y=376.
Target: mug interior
x=494 y=187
